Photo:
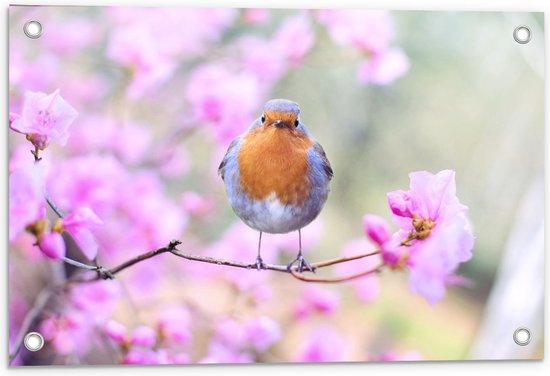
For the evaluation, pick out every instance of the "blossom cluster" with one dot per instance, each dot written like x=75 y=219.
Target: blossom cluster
x=434 y=236
x=371 y=32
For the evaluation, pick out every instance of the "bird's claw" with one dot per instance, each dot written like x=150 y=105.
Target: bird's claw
x=259 y=263
x=302 y=264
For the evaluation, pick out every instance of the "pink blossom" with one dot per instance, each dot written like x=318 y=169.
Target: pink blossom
x=174 y=162
x=86 y=89
x=79 y=224
x=68 y=36
x=151 y=231
x=269 y=59
x=13 y=117
x=90 y=305
x=131 y=142
x=202 y=27
x=135 y=48
x=394 y=253
x=400 y=205
x=145 y=356
x=69 y=334
x=143 y=336
x=368 y=30
x=230 y=332
x=324 y=344
x=45 y=117
x=26 y=198
x=197 y=204
x=116 y=331
x=367 y=288
x=258 y=332
x=40 y=73
x=94 y=133
x=52 y=245
x=316 y=299
x=98 y=299
x=180 y=358
x=92 y=180
x=262 y=332
x=262 y=293
x=430 y=196
x=174 y=324
x=221 y=354
x=294 y=39
x=106 y=187
x=376 y=228
x=384 y=68
x=225 y=101
x=150 y=42
x=257 y=58
x=434 y=223
x=433 y=262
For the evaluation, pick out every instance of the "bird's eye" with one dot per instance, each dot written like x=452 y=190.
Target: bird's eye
x=296 y=123
x=263 y=119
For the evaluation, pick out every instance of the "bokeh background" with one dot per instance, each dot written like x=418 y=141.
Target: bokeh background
x=160 y=94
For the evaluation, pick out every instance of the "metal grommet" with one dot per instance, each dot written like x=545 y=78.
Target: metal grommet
x=33 y=341
x=522 y=336
x=522 y=34
x=33 y=29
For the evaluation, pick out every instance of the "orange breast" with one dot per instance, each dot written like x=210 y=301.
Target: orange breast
x=274 y=160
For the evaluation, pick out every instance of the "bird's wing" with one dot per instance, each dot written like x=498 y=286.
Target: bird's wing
x=325 y=164
x=230 y=150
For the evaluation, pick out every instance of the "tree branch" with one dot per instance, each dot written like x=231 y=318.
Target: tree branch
x=103 y=273
x=54 y=207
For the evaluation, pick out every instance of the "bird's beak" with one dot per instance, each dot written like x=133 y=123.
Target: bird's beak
x=279 y=123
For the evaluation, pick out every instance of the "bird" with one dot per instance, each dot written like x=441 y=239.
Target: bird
x=276 y=176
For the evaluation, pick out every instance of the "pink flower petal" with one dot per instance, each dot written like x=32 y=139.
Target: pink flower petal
x=116 y=331
x=433 y=258
x=26 y=198
x=376 y=228
x=53 y=245
x=262 y=332
x=143 y=336
x=48 y=116
x=85 y=240
x=82 y=216
x=384 y=68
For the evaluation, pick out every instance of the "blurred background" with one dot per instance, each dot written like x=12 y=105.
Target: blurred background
x=160 y=94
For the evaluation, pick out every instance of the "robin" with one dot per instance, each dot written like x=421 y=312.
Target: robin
x=276 y=176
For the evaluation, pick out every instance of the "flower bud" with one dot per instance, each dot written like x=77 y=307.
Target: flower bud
x=52 y=245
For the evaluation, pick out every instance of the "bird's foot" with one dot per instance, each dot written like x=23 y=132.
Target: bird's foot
x=302 y=264
x=260 y=263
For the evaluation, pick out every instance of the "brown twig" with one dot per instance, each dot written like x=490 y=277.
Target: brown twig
x=305 y=278
x=54 y=207
x=104 y=273
x=171 y=246
x=340 y=260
